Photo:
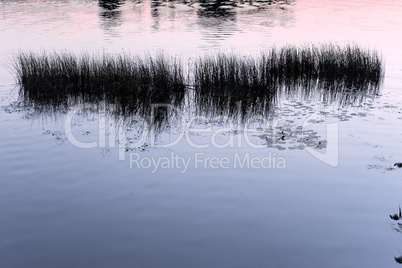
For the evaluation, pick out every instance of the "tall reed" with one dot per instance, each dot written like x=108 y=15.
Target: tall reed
x=219 y=80
x=128 y=81
x=350 y=65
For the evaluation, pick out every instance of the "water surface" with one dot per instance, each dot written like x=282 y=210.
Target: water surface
x=66 y=206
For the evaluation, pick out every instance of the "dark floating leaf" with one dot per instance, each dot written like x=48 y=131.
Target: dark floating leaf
x=398 y=259
x=398 y=165
x=396 y=216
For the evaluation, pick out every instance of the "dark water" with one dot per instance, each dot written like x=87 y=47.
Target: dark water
x=308 y=180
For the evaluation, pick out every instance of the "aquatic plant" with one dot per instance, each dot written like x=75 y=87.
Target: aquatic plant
x=129 y=82
x=350 y=66
x=399 y=165
x=338 y=72
x=220 y=80
x=396 y=216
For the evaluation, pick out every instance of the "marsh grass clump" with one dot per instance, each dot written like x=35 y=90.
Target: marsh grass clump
x=351 y=65
x=218 y=81
x=326 y=65
x=339 y=73
x=129 y=82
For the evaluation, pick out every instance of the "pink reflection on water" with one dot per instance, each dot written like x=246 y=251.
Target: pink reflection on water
x=186 y=30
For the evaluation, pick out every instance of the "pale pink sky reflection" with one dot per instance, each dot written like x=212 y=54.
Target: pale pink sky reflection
x=180 y=29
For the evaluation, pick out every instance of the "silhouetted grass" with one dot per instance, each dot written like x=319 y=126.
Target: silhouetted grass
x=350 y=65
x=221 y=80
x=129 y=82
x=224 y=79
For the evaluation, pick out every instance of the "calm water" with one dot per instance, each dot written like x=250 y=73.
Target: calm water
x=111 y=206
